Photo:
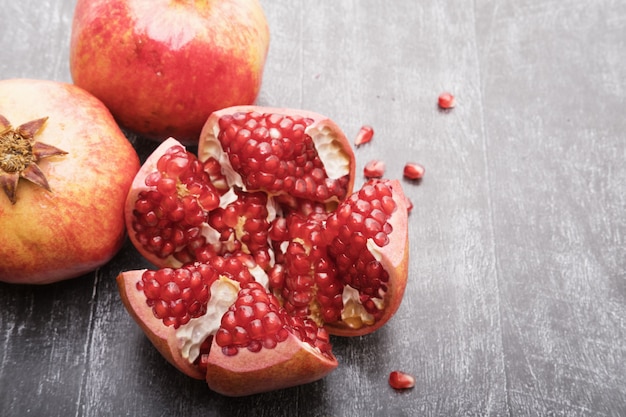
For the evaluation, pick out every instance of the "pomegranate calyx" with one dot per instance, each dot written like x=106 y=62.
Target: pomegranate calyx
x=19 y=154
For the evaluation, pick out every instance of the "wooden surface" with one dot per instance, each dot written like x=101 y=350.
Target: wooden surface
x=516 y=303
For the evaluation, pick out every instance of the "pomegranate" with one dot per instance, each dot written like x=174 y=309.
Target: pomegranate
x=181 y=59
x=264 y=249
x=66 y=169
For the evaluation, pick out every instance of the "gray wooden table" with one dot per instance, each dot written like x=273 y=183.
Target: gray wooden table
x=516 y=303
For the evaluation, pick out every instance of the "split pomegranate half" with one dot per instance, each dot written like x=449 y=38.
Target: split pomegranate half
x=263 y=248
x=214 y=321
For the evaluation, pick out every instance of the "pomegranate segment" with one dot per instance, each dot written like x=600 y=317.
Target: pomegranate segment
x=305 y=277
x=370 y=251
x=162 y=337
x=176 y=215
x=257 y=321
x=241 y=340
x=259 y=347
x=170 y=212
x=280 y=151
x=165 y=206
x=335 y=267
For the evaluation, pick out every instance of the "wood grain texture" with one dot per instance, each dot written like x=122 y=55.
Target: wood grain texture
x=555 y=139
x=516 y=303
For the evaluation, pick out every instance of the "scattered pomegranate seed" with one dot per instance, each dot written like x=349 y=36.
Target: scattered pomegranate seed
x=446 y=100
x=414 y=171
x=374 y=169
x=365 y=135
x=401 y=380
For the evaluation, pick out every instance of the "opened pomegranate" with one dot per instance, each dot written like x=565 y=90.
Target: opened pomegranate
x=66 y=169
x=264 y=249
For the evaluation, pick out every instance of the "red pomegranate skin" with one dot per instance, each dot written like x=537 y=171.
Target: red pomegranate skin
x=162 y=66
x=76 y=227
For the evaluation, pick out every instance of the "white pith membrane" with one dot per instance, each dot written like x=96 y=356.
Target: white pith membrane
x=224 y=290
x=336 y=164
x=354 y=314
x=191 y=335
x=212 y=148
x=210 y=233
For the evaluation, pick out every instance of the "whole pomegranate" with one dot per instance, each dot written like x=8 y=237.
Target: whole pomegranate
x=65 y=172
x=264 y=249
x=162 y=66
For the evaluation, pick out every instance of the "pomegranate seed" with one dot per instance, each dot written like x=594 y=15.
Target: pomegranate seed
x=366 y=133
x=374 y=169
x=446 y=100
x=414 y=171
x=401 y=380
